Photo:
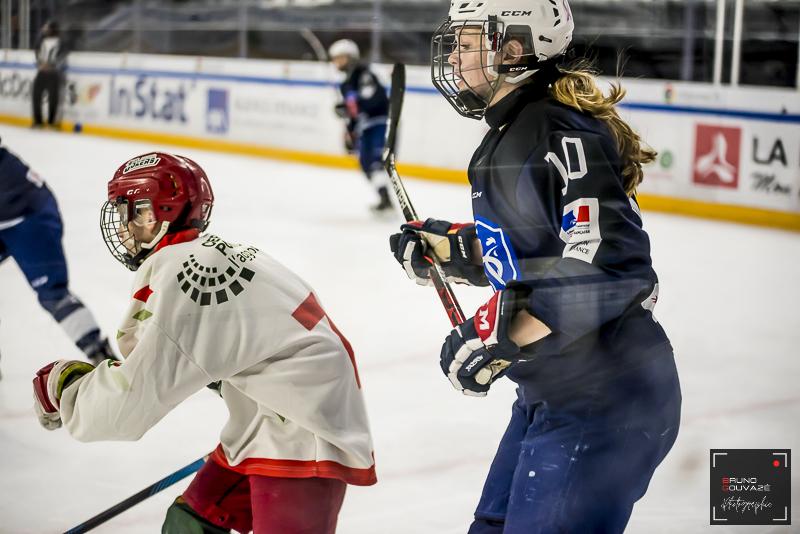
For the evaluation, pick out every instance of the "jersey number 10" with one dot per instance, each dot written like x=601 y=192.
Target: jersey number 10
x=573 y=154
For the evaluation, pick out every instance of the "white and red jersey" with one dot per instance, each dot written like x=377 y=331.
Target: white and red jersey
x=204 y=310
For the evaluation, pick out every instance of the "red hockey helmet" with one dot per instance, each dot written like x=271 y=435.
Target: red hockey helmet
x=150 y=196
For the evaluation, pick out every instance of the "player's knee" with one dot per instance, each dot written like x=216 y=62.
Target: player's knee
x=55 y=298
x=181 y=519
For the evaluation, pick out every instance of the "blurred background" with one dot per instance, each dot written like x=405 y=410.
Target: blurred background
x=663 y=39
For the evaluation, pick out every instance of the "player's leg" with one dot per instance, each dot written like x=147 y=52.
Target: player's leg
x=491 y=511
x=296 y=505
x=216 y=501
x=584 y=472
x=370 y=158
x=53 y=96
x=37 y=94
x=182 y=519
x=3 y=257
x=35 y=244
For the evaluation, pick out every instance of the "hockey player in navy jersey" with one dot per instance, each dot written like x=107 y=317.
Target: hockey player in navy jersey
x=30 y=232
x=365 y=107
x=559 y=235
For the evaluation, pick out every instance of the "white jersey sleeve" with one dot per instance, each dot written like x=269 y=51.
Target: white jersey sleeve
x=122 y=401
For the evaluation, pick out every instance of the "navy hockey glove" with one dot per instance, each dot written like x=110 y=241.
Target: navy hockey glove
x=479 y=351
x=452 y=245
x=350 y=141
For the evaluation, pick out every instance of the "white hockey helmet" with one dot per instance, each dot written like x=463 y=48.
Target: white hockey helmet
x=344 y=47
x=543 y=27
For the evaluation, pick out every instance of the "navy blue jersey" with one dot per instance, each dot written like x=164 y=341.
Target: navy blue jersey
x=365 y=99
x=21 y=190
x=551 y=213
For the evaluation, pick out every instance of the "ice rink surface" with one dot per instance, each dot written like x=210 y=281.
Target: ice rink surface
x=729 y=301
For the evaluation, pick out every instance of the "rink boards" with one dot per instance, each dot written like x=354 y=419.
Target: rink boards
x=724 y=153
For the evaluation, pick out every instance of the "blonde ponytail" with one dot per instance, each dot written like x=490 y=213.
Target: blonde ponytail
x=578 y=88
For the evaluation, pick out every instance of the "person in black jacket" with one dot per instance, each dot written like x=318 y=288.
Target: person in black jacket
x=30 y=232
x=50 y=64
x=559 y=235
x=365 y=107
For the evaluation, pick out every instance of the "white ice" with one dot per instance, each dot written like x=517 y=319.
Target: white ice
x=729 y=301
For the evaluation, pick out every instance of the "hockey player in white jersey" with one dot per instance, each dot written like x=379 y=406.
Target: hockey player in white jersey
x=206 y=310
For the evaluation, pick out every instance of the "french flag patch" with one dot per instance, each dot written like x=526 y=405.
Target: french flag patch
x=580 y=229
x=572 y=218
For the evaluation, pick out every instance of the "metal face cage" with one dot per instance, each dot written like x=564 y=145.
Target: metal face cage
x=115 y=220
x=453 y=62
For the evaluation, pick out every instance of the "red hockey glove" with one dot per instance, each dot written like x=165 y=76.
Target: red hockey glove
x=50 y=382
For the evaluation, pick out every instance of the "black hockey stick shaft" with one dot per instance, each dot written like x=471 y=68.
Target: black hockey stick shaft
x=443 y=289
x=133 y=500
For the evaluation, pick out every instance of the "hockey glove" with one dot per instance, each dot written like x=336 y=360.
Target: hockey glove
x=50 y=382
x=350 y=142
x=341 y=110
x=450 y=243
x=479 y=351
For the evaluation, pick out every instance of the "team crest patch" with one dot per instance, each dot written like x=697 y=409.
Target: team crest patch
x=580 y=229
x=150 y=160
x=499 y=259
x=204 y=284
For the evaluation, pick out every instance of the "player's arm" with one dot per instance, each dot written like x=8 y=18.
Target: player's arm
x=119 y=401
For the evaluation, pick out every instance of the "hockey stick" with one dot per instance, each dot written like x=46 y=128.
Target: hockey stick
x=443 y=289
x=133 y=500
x=398 y=90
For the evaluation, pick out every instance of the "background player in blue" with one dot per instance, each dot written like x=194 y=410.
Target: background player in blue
x=30 y=232
x=559 y=234
x=365 y=107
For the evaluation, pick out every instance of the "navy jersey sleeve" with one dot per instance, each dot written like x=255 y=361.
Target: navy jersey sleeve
x=605 y=265
x=364 y=95
x=22 y=191
x=349 y=91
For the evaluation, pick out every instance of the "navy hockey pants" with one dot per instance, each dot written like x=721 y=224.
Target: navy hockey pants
x=35 y=244
x=556 y=473
x=370 y=149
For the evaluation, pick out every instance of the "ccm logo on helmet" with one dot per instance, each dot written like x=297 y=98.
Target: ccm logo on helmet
x=515 y=13
x=132 y=191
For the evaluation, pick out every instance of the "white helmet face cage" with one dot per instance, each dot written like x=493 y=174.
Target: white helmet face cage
x=121 y=242
x=468 y=79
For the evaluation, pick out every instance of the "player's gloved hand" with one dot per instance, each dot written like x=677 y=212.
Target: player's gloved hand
x=50 y=382
x=478 y=351
x=451 y=244
x=341 y=110
x=349 y=142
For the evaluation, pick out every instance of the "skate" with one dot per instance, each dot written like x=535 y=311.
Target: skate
x=384 y=205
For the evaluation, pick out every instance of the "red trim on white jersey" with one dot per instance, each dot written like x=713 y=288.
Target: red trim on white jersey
x=298 y=469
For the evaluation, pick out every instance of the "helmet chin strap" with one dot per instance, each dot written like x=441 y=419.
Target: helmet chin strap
x=147 y=248
x=161 y=233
